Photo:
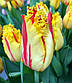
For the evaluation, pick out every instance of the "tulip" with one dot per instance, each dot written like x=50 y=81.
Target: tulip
x=0 y=30
x=5 y=3
x=37 y=42
x=17 y=3
x=66 y=2
x=67 y=20
x=55 y=3
x=38 y=37
x=1 y=65
x=12 y=42
x=57 y=27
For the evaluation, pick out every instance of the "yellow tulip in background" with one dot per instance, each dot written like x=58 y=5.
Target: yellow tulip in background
x=41 y=32
x=12 y=42
x=66 y=2
x=1 y=65
x=67 y=20
x=15 y=3
x=55 y=3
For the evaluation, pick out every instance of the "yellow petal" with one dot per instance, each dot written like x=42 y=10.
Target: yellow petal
x=43 y=7
x=57 y=21
x=3 y=3
x=55 y=3
x=9 y=5
x=17 y=3
x=58 y=38
x=40 y=60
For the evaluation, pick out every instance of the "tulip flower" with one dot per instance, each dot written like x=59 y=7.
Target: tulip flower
x=1 y=65
x=57 y=27
x=5 y=3
x=55 y=3
x=38 y=37
x=0 y=30
x=12 y=42
x=67 y=20
x=66 y=2
x=17 y=3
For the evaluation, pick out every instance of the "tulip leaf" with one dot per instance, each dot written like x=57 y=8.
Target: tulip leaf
x=28 y=75
x=6 y=21
x=3 y=81
x=11 y=66
x=44 y=76
x=57 y=66
x=17 y=14
x=48 y=76
x=14 y=74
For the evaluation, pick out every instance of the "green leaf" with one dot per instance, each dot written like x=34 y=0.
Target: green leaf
x=53 y=78
x=17 y=14
x=3 y=81
x=57 y=66
x=48 y=76
x=6 y=21
x=68 y=58
x=28 y=75
x=44 y=76
x=11 y=66
x=14 y=74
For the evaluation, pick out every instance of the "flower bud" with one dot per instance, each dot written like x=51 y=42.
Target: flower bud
x=67 y=20
x=17 y=3
x=55 y=3
x=57 y=27
x=12 y=42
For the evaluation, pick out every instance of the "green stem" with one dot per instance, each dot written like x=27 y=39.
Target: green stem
x=33 y=2
x=66 y=34
x=21 y=70
x=36 y=77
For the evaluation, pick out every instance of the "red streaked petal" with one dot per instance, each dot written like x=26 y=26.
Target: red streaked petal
x=44 y=48
x=9 y=48
x=38 y=7
x=50 y=24
x=30 y=60
x=15 y=37
x=24 y=36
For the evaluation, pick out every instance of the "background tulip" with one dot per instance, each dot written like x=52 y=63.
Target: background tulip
x=57 y=27
x=1 y=65
x=55 y=3
x=17 y=3
x=12 y=42
x=67 y=20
